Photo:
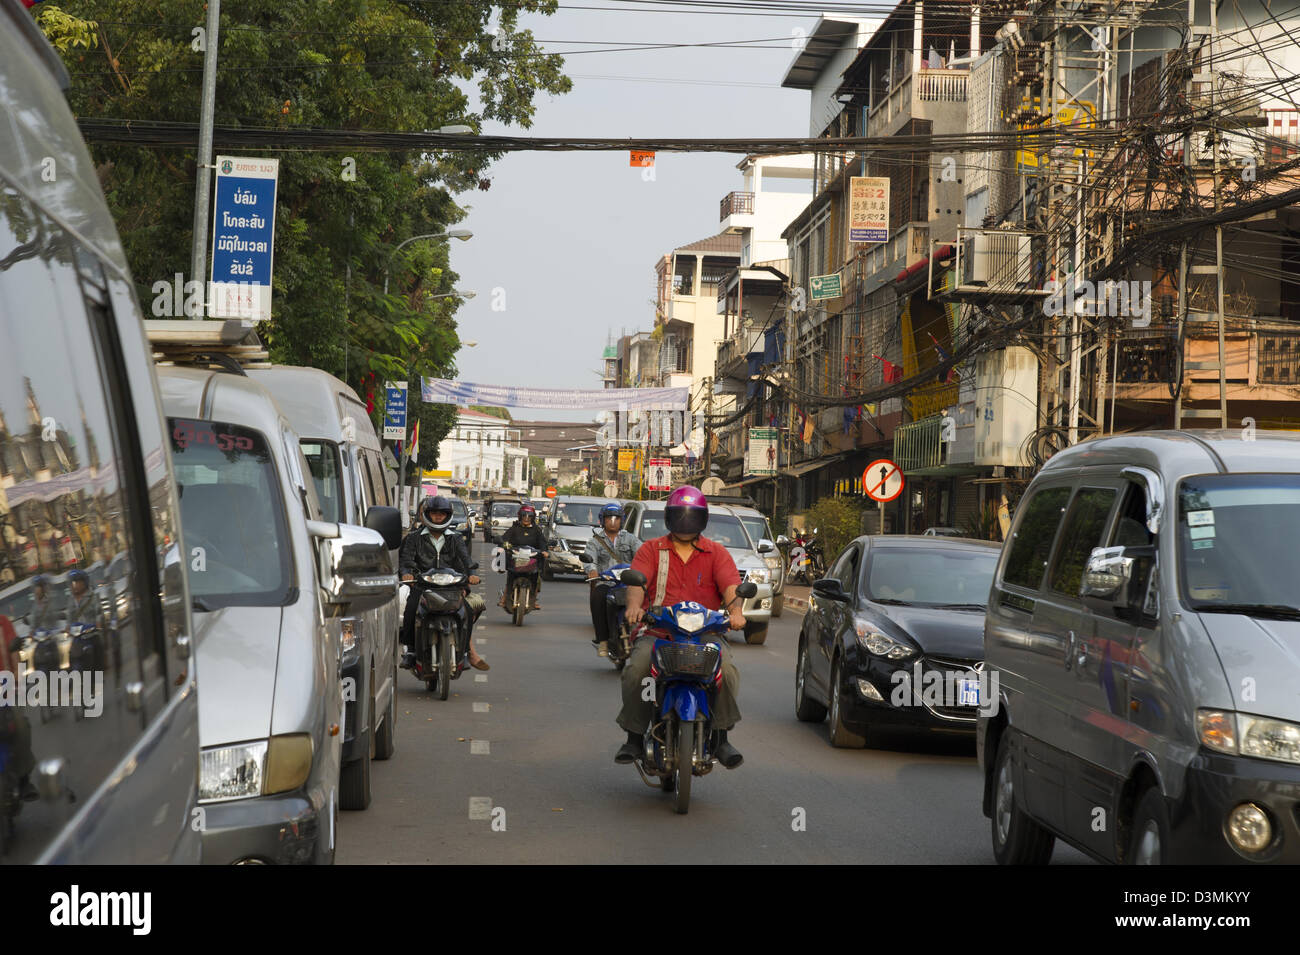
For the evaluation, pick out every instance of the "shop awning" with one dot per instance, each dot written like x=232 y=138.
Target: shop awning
x=799 y=470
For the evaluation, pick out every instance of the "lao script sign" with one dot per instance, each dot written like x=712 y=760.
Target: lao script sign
x=243 y=229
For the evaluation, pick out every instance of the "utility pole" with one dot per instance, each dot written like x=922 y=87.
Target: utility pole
x=203 y=166
x=708 y=429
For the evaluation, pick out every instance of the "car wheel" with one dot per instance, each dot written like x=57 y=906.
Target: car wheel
x=841 y=736
x=1017 y=839
x=1150 y=830
x=778 y=605
x=354 y=781
x=755 y=634
x=806 y=709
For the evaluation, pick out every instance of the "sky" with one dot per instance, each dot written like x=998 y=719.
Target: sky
x=565 y=244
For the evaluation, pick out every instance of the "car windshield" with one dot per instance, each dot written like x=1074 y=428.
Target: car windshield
x=507 y=509
x=232 y=515
x=458 y=510
x=929 y=577
x=756 y=524
x=723 y=529
x=1236 y=540
x=323 y=460
x=569 y=514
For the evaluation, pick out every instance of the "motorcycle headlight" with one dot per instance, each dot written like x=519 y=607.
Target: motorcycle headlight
x=875 y=641
x=757 y=576
x=690 y=622
x=232 y=772
x=441 y=580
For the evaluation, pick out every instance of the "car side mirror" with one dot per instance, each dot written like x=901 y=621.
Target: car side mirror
x=747 y=589
x=782 y=540
x=765 y=546
x=387 y=521
x=830 y=588
x=1109 y=579
x=633 y=578
x=355 y=568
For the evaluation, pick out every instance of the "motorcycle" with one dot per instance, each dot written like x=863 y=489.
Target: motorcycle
x=40 y=652
x=525 y=564
x=807 y=563
x=85 y=654
x=441 y=641
x=620 y=641
x=678 y=745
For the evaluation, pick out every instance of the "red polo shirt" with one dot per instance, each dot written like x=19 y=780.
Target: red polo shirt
x=701 y=579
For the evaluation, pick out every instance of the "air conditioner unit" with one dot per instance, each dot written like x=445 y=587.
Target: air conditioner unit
x=998 y=261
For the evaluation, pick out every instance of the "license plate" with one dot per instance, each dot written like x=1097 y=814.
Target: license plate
x=968 y=692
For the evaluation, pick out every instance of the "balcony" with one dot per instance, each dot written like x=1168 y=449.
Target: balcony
x=736 y=211
x=917 y=444
x=927 y=86
x=1262 y=364
x=737 y=348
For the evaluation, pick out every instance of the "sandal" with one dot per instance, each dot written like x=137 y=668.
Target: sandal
x=480 y=664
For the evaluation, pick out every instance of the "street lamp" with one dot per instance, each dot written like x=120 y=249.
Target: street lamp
x=462 y=234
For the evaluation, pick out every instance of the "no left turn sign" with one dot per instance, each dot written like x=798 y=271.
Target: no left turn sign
x=882 y=480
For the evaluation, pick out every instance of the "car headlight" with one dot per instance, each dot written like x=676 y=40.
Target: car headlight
x=1247 y=735
x=1217 y=730
x=349 y=628
x=690 y=622
x=874 y=640
x=757 y=576
x=288 y=762
x=232 y=772
x=773 y=563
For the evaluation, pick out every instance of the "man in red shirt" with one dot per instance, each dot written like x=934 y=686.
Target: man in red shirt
x=696 y=569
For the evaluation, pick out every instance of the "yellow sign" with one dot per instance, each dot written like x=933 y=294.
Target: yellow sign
x=434 y=475
x=629 y=460
x=1080 y=114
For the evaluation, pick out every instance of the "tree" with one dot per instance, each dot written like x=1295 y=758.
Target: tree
x=346 y=64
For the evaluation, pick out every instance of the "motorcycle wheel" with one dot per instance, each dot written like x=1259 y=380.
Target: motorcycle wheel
x=444 y=665
x=682 y=776
x=523 y=597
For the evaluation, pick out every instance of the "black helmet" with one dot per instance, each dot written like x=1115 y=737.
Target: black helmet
x=431 y=504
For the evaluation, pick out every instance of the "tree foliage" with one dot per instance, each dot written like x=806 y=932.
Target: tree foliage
x=837 y=520
x=345 y=64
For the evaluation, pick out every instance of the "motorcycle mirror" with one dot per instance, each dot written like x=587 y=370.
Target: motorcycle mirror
x=633 y=578
x=747 y=589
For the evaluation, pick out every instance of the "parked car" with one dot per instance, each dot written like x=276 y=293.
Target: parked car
x=894 y=636
x=464 y=522
x=1143 y=620
x=347 y=469
x=645 y=519
x=574 y=520
x=271 y=718
x=942 y=532
x=121 y=788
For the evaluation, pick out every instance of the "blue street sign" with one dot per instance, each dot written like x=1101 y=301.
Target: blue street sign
x=394 y=411
x=243 y=229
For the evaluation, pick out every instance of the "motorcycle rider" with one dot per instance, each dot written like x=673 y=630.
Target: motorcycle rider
x=609 y=545
x=43 y=615
x=85 y=608
x=524 y=532
x=677 y=556
x=428 y=546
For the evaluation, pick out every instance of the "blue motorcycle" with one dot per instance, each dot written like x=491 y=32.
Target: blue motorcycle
x=685 y=666
x=620 y=641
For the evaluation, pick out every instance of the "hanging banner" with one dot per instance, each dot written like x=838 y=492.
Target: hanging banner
x=868 y=208
x=762 y=456
x=629 y=460
x=442 y=391
x=243 y=230
x=659 y=474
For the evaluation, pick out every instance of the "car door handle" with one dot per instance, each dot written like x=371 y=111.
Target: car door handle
x=134 y=696
x=1069 y=649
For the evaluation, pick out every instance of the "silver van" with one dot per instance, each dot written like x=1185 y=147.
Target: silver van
x=346 y=463
x=271 y=583
x=1143 y=638
x=99 y=761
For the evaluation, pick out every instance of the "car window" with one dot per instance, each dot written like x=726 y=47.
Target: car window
x=757 y=527
x=1084 y=527
x=75 y=503
x=233 y=513
x=323 y=462
x=723 y=529
x=845 y=569
x=1032 y=542
x=508 y=509
x=577 y=514
x=930 y=576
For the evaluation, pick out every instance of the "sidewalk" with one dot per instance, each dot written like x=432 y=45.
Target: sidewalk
x=796 y=597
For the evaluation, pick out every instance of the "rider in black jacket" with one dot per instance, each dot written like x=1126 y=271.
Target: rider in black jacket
x=524 y=532
x=428 y=545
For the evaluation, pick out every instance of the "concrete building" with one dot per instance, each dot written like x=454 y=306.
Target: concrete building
x=485 y=453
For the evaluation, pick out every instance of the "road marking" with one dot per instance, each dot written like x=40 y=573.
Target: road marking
x=479 y=747
x=480 y=807
x=480 y=678
x=482 y=707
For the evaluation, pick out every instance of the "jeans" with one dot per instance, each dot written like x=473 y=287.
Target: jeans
x=602 y=613
x=637 y=712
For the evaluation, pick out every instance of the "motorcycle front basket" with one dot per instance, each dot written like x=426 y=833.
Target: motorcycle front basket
x=687 y=659
x=523 y=564
x=441 y=601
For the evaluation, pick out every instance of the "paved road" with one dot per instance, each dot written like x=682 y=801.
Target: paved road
x=530 y=744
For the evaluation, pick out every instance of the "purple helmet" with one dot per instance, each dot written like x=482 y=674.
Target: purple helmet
x=687 y=511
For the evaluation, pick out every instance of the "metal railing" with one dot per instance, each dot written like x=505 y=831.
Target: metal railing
x=917 y=445
x=736 y=203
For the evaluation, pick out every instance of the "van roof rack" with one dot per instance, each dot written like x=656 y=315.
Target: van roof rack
x=230 y=345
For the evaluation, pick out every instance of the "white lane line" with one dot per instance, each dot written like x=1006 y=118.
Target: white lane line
x=482 y=707
x=480 y=678
x=480 y=807
x=479 y=747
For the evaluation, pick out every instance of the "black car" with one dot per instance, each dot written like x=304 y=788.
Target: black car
x=894 y=635
x=464 y=526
